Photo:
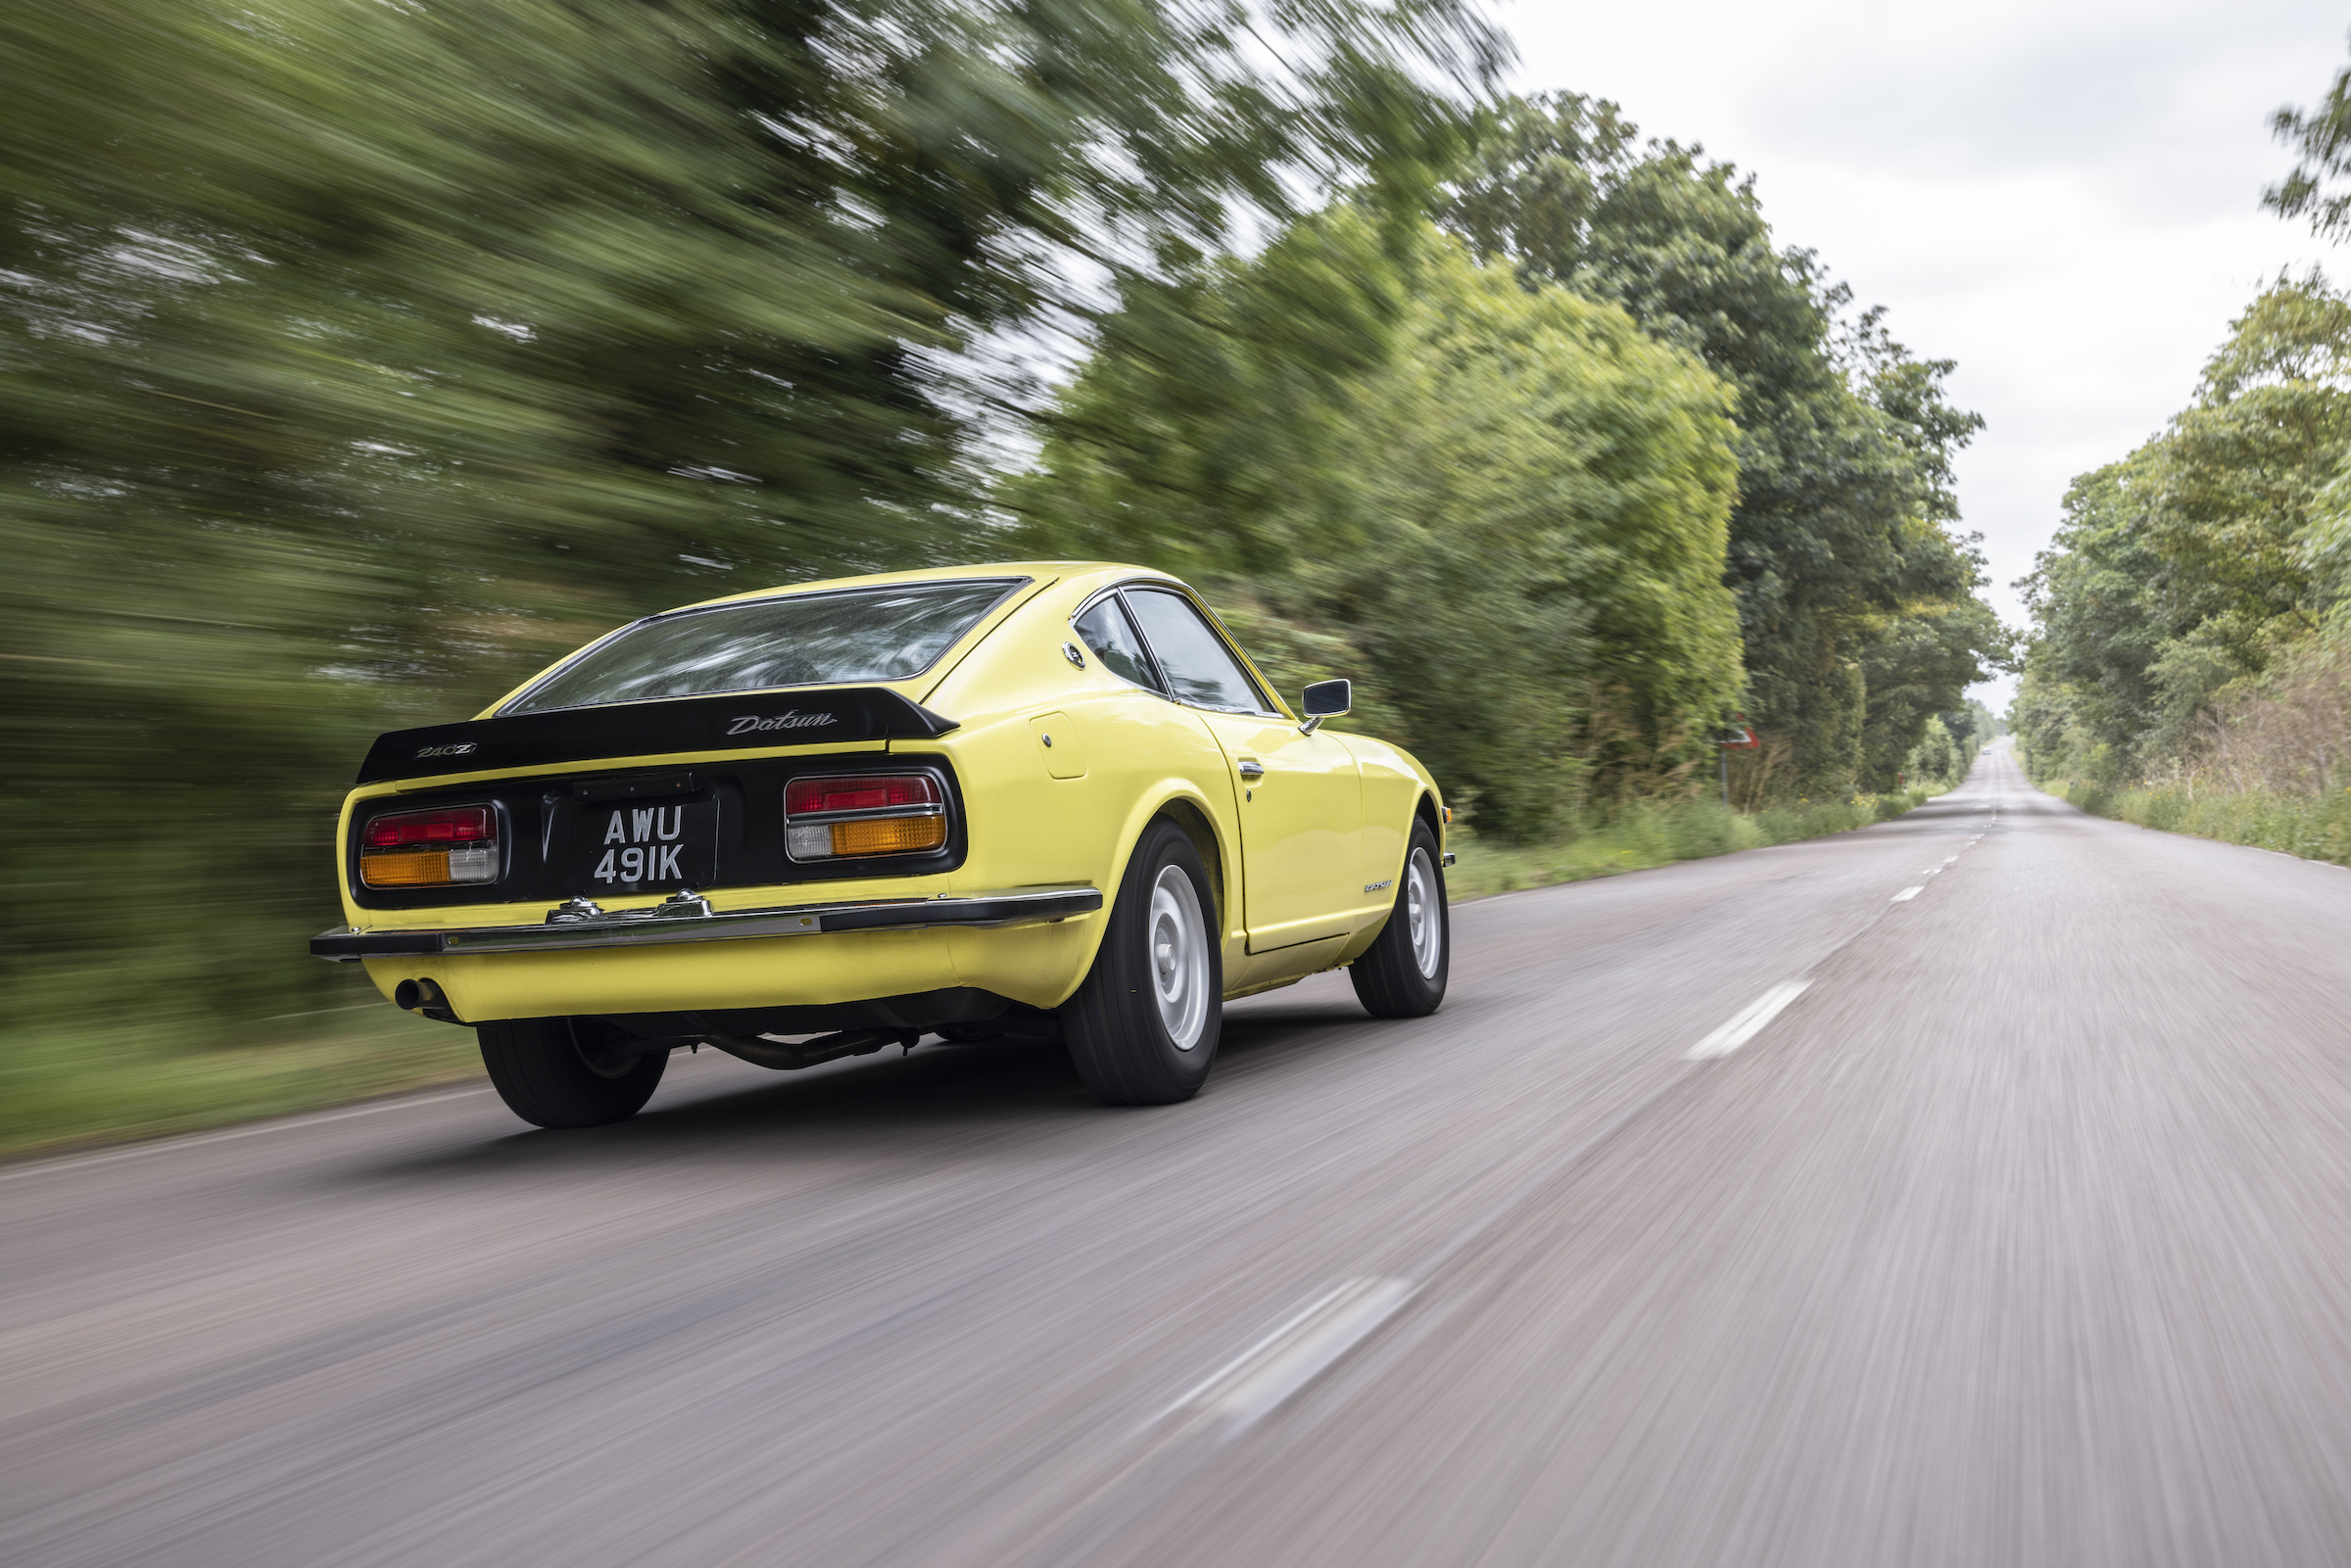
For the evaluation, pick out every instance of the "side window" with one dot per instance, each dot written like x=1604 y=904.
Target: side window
x=1105 y=629
x=1198 y=664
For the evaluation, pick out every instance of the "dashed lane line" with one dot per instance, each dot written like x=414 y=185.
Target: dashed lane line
x=1260 y=1379
x=1747 y=1025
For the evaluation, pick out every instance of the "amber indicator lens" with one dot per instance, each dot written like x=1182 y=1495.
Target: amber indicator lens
x=888 y=835
x=447 y=847
x=864 y=814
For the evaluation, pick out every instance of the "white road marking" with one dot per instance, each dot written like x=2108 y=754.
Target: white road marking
x=1948 y=859
x=161 y=1145
x=1907 y=892
x=1257 y=1381
x=1748 y=1024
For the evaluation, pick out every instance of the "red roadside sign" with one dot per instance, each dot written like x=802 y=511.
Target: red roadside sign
x=1741 y=737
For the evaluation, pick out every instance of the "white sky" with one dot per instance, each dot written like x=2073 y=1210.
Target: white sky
x=2065 y=198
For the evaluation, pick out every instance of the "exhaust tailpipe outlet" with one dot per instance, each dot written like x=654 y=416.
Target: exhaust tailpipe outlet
x=425 y=997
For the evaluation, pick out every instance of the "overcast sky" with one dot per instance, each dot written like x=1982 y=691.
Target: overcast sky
x=2065 y=198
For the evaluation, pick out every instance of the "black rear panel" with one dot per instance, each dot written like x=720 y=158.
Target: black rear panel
x=815 y=716
x=707 y=826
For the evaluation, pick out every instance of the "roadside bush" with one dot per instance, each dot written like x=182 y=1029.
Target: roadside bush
x=1650 y=833
x=2312 y=826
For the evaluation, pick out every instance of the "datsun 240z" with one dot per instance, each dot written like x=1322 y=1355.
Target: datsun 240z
x=1049 y=800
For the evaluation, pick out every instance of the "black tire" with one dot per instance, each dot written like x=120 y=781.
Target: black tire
x=1122 y=1027
x=547 y=1079
x=1395 y=979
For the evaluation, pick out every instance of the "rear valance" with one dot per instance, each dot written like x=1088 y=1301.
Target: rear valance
x=820 y=717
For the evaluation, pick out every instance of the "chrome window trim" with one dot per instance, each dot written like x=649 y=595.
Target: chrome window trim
x=1012 y=586
x=1216 y=626
x=1149 y=657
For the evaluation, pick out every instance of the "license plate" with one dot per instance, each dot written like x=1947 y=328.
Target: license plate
x=635 y=846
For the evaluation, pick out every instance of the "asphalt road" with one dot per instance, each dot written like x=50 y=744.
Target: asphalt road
x=2019 y=1234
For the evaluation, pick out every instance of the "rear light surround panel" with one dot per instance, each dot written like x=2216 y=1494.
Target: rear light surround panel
x=546 y=822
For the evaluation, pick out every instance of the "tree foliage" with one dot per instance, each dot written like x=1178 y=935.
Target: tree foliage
x=2185 y=571
x=1844 y=439
x=1509 y=502
x=355 y=358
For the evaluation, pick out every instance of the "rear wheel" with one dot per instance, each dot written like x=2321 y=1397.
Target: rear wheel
x=546 y=1078
x=1403 y=974
x=1143 y=1027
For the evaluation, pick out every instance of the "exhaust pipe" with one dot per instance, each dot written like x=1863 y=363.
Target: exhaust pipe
x=426 y=997
x=786 y=1058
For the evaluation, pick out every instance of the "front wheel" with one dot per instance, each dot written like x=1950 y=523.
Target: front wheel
x=545 y=1076
x=1402 y=975
x=1143 y=1026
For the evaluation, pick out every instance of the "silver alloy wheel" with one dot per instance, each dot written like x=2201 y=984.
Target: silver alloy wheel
x=1424 y=923
x=1179 y=956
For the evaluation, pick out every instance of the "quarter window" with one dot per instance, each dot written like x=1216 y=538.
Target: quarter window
x=1198 y=665
x=1106 y=630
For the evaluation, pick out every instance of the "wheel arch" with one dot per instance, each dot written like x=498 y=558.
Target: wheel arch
x=1182 y=803
x=1428 y=810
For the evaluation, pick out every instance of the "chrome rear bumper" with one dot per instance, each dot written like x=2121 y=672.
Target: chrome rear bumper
x=665 y=924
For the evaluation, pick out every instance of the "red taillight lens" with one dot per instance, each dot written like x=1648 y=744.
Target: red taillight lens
x=430 y=848
x=803 y=796
x=452 y=824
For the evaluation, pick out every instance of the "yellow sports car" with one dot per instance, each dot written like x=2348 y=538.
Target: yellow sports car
x=1049 y=800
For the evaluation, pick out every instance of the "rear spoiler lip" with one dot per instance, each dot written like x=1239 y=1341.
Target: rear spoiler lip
x=749 y=720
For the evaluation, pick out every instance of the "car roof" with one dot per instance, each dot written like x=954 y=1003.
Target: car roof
x=936 y=574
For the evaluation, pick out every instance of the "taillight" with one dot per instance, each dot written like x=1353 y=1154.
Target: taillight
x=864 y=814
x=439 y=848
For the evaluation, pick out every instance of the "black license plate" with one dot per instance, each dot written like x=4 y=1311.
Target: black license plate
x=638 y=846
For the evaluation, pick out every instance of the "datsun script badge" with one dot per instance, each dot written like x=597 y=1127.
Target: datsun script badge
x=752 y=723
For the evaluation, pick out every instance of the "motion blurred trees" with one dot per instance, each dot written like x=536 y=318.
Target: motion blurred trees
x=1855 y=602
x=355 y=358
x=1508 y=504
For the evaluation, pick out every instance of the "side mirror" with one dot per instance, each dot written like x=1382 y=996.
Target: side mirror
x=1325 y=700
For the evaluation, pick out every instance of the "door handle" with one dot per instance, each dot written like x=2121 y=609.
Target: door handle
x=1252 y=769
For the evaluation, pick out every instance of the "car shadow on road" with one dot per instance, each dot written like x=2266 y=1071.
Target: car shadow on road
x=943 y=1100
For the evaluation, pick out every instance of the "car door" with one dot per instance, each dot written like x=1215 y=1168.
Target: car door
x=1301 y=801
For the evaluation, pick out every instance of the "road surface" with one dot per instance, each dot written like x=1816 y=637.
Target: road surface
x=2003 y=1215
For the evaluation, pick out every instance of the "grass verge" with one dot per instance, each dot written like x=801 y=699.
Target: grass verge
x=59 y=1088
x=2312 y=826
x=1643 y=836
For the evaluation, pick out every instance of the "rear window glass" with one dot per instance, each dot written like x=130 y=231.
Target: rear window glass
x=867 y=633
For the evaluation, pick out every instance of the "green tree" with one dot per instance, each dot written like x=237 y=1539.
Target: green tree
x=1510 y=501
x=2191 y=565
x=1844 y=439
x=357 y=358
